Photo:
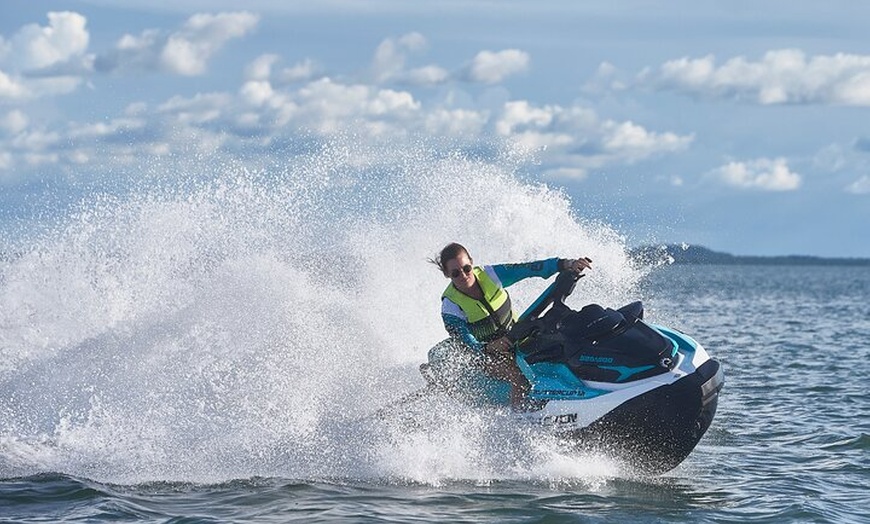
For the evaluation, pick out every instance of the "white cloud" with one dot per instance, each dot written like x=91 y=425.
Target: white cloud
x=493 y=67
x=269 y=106
x=605 y=79
x=5 y=160
x=389 y=64
x=521 y=113
x=328 y=106
x=303 y=70
x=568 y=173
x=784 y=76
x=11 y=88
x=456 y=123
x=257 y=92
x=45 y=60
x=428 y=75
x=89 y=132
x=325 y=106
x=860 y=186
x=37 y=47
x=390 y=56
x=261 y=70
x=200 y=109
x=184 y=52
x=261 y=67
x=41 y=159
x=576 y=138
x=14 y=122
x=632 y=141
x=831 y=158
x=59 y=85
x=187 y=52
x=136 y=109
x=763 y=174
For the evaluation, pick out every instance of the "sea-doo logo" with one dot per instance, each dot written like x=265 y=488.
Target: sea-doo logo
x=556 y=420
x=595 y=360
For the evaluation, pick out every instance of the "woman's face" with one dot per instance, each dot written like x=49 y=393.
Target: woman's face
x=459 y=271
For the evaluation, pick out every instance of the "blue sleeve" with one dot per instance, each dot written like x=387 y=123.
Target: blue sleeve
x=458 y=329
x=510 y=274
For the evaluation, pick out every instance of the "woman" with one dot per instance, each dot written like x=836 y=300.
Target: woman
x=477 y=312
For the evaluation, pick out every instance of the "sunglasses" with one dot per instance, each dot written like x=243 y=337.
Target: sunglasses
x=465 y=269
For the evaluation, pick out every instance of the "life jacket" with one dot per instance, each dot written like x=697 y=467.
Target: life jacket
x=490 y=318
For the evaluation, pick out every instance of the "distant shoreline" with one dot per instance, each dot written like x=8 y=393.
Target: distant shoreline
x=683 y=254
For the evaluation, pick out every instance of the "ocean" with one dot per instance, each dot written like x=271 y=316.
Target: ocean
x=211 y=351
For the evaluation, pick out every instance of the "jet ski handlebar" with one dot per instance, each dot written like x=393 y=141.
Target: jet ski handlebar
x=554 y=295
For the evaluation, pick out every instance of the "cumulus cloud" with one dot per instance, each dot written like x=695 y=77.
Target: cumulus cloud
x=201 y=109
x=455 y=122
x=574 y=138
x=11 y=88
x=521 y=113
x=389 y=64
x=273 y=104
x=579 y=140
x=261 y=70
x=428 y=76
x=328 y=106
x=102 y=128
x=37 y=47
x=785 y=76
x=761 y=174
x=323 y=106
x=186 y=51
x=491 y=67
x=261 y=67
x=45 y=60
x=632 y=141
x=304 y=70
x=860 y=186
x=390 y=56
x=14 y=122
x=605 y=79
x=5 y=160
x=257 y=92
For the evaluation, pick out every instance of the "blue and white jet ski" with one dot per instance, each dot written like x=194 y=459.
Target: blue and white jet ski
x=604 y=379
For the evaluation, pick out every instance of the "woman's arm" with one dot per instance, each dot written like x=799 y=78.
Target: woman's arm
x=458 y=329
x=510 y=274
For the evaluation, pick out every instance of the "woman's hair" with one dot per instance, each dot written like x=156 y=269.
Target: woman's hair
x=450 y=251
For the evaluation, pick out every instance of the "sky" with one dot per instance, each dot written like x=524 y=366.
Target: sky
x=741 y=126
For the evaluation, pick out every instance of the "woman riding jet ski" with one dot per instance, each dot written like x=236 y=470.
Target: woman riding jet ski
x=604 y=379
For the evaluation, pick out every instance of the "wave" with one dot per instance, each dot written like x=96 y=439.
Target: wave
x=227 y=320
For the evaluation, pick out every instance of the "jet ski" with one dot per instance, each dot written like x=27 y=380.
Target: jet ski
x=604 y=380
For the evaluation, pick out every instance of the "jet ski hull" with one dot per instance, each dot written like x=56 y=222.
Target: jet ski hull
x=652 y=432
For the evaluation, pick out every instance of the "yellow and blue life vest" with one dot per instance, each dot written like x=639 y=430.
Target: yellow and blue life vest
x=489 y=318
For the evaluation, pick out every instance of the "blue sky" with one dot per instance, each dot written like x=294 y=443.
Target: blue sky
x=742 y=126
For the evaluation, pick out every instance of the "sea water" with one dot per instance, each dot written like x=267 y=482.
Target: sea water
x=209 y=345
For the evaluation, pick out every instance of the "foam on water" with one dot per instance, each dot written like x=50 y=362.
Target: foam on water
x=241 y=321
